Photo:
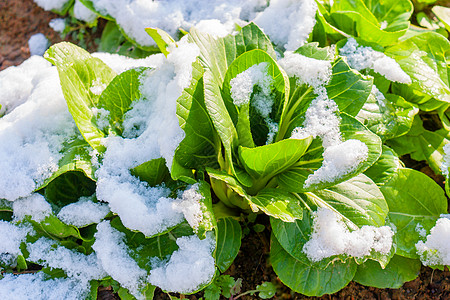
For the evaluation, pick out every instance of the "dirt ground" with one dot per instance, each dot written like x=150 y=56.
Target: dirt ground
x=20 y=19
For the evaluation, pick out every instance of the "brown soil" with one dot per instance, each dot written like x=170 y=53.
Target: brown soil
x=20 y=19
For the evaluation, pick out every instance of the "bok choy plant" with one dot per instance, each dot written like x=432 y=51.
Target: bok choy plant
x=156 y=159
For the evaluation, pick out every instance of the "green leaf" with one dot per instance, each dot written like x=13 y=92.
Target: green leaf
x=354 y=18
x=212 y=292
x=162 y=39
x=266 y=290
x=229 y=236
x=443 y=14
x=392 y=118
x=270 y=160
x=55 y=229
x=79 y=72
x=308 y=278
x=348 y=88
x=398 y=271
x=153 y=171
x=76 y=157
x=228 y=285
x=293 y=179
x=395 y=13
x=251 y=125
x=216 y=55
x=89 y=4
x=228 y=189
x=118 y=96
x=68 y=188
x=413 y=198
x=358 y=200
x=278 y=204
x=385 y=167
x=113 y=41
x=208 y=222
x=199 y=147
x=144 y=248
x=424 y=58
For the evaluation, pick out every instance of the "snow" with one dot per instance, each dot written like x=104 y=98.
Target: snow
x=136 y=15
x=35 y=206
x=97 y=87
x=33 y=130
x=51 y=4
x=37 y=287
x=242 y=85
x=308 y=70
x=81 y=267
x=321 y=120
x=436 y=249
x=189 y=267
x=189 y=205
x=147 y=209
x=11 y=236
x=120 y=63
x=57 y=25
x=83 y=13
x=288 y=23
x=113 y=254
x=83 y=213
x=38 y=44
x=420 y=230
x=360 y=58
x=339 y=160
x=330 y=236
x=445 y=160
x=101 y=117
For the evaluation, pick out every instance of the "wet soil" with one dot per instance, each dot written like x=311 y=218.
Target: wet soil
x=20 y=19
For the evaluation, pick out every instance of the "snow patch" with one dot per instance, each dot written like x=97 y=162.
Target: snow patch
x=35 y=206
x=445 y=160
x=57 y=25
x=194 y=257
x=147 y=209
x=34 y=128
x=339 y=160
x=112 y=252
x=76 y=265
x=314 y=72
x=136 y=15
x=120 y=63
x=83 y=213
x=51 y=4
x=360 y=58
x=288 y=23
x=331 y=237
x=83 y=13
x=242 y=85
x=38 y=44
x=11 y=236
x=436 y=249
x=39 y=286
x=189 y=205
